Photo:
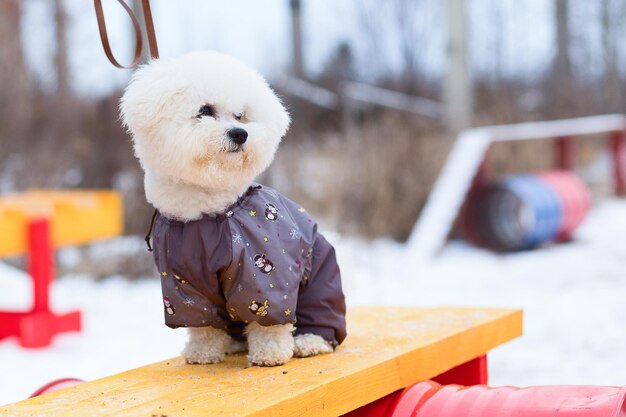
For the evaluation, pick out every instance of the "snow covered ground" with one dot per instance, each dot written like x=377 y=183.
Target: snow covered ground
x=573 y=296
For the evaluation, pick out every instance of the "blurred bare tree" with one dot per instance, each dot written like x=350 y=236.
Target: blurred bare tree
x=458 y=87
x=612 y=17
x=406 y=24
x=16 y=85
x=297 y=59
x=61 y=62
x=561 y=79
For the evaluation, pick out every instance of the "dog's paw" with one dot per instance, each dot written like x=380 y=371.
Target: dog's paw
x=236 y=347
x=269 y=359
x=270 y=345
x=206 y=345
x=310 y=345
x=201 y=358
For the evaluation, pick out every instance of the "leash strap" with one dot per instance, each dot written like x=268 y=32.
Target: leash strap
x=147 y=238
x=152 y=42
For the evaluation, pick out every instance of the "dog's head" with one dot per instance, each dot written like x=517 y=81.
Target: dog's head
x=204 y=118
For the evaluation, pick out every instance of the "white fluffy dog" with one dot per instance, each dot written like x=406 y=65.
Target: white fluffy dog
x=204 y=126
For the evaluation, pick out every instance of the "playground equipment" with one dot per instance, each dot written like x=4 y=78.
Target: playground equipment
x=525 y=211
x=430 y=399
x=409 y=345
x=574 y=197
x=467 y=168
x=57 y=385
x=365 y=377
x=35 y=223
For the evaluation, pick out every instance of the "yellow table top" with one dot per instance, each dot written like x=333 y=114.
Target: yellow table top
x=76 y=217
x=387 y=348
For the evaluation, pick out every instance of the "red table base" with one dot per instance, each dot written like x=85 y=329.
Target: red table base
x=35 y=328
x=473 y=372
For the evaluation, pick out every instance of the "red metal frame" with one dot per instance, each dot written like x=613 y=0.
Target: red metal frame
x=618 y=150
x=481 y=179
x=565 y=153
x=473 y=372
x=35 y=328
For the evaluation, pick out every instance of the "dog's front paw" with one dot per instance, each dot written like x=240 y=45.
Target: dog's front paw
x=201 y=357
x=310 y=345
x=206 y=345
x=269 y=345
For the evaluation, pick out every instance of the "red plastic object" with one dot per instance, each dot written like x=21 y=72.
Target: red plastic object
x=574 y=196
x=57 y=385
x=429 y=399
x=432 y=399
x=35 y=328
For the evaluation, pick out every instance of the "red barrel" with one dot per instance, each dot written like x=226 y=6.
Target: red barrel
x=516 y=213
x=429 y=399
x=525 y=211
x=574 y=196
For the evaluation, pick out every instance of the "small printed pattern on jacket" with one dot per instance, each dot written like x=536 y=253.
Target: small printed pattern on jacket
x=261 y=261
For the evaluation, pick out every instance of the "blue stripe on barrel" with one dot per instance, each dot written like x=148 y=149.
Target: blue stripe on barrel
x=539 y=213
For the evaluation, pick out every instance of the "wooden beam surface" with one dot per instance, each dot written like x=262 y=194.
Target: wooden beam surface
x=387 y=348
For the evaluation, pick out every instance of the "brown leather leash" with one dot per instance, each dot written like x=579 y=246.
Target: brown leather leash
x=152 y=42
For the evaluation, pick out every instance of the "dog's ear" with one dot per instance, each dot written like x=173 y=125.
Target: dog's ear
x=281 y=119
x=146 y=98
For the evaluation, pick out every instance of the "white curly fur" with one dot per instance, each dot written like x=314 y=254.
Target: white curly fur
x=310 y=345
x=188 y=160
x=269 y=345
x=236 y=347
x=191 y=169
x=206 y=345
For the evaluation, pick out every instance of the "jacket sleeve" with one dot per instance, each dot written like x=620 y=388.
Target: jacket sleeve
x=321 y=306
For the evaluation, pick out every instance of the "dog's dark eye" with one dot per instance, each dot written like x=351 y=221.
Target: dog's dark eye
x=206 y=110
x=239 y=116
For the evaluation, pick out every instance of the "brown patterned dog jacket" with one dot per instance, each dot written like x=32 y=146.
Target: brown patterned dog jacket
x=261 y=261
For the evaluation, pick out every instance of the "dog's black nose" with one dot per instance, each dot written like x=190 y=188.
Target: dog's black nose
x=238 y=135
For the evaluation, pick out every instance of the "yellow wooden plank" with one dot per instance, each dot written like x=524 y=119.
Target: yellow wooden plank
x=387 y=349
x=77 y=217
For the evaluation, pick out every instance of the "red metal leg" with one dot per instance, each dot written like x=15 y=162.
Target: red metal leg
x=466 y=216
x=40 y=262
x=482 y=175
x=473 y=372
x=565 y=157
x=618 y=150
x=379 y=408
